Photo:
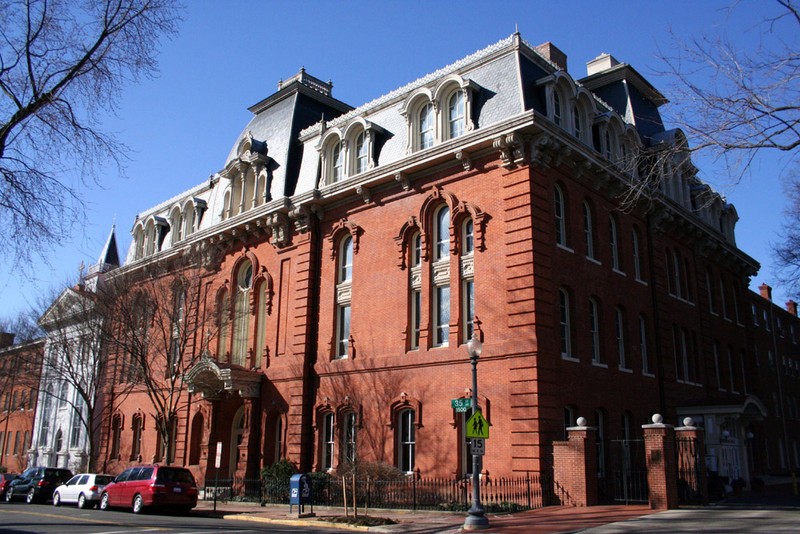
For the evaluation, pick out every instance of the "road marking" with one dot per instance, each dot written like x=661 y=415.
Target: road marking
x=87 y=520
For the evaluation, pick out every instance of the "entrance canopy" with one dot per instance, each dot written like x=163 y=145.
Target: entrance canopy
x=214 y=379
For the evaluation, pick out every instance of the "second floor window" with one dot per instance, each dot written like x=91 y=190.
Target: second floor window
x=426 y=123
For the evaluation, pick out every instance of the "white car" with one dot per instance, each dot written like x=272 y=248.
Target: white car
x=84 y=489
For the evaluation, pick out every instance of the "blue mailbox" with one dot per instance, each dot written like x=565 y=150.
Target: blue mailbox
x=299 y=491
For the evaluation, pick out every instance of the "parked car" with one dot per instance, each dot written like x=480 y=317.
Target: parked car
x=147 y=486
x=5 y=481
x=37 y=484
x=84 y=489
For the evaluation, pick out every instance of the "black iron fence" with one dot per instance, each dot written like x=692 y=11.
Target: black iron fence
x=497 y=494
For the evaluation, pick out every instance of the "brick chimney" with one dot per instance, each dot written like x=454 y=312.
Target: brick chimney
x=554 y=54
x=6 y=339
x=791 y=307
x=766 y=292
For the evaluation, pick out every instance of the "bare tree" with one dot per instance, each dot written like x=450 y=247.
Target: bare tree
x=62 y=64
x=76 y=359
x=737 y=102
x=158 y=338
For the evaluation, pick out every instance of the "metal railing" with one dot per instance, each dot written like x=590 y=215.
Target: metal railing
x=497 y=494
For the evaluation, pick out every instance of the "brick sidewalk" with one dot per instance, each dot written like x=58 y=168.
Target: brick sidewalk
x=548 y=520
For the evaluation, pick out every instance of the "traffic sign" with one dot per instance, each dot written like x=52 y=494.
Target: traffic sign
x=478 y=447
x=477 y=426
x=461 y=405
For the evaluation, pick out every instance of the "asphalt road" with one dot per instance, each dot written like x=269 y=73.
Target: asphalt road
x=46 y=518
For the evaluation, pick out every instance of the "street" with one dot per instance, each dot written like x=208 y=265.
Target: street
x=45 y=518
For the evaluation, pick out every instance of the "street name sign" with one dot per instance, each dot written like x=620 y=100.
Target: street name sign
x=461 y=405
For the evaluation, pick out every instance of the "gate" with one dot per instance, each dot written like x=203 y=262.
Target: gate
x=625 y=478
x=689 y=470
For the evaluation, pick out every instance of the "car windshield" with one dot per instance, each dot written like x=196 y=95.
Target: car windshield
x=102 y=480
x=182 y=476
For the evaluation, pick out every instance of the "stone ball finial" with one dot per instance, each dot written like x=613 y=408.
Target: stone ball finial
x=688 y=421
x=581 y=421
x=658 y=418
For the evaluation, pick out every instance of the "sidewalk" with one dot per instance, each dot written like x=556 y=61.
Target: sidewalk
x=772 y=510
x=548 y=520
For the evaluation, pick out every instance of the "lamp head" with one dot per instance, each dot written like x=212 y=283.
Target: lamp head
x=474 y=347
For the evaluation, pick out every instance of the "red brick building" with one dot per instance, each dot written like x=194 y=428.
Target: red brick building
x=332 y=272
x=20 y=366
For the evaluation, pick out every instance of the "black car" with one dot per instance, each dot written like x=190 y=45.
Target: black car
x=37 y=484
x=5 y=481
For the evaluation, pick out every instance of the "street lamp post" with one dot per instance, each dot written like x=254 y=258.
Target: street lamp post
x=476 y=519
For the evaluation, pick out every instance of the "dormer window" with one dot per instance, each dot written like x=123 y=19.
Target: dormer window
x=337 y=162
x=455 y=114
x=556 y=108
x=426 y=126
x=361 y=154
x=576 y=120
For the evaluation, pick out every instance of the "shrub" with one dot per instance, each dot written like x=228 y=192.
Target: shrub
x=373 y=470
x=280 y=471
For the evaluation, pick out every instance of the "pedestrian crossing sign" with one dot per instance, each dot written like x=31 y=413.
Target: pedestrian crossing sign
x=477 y=426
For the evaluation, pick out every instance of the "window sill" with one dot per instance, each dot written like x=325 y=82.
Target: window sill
x=648 y=375
x=600 y=364
x=614 y=270
x=625 y=370
x=567 y=358
x=593 y=260
x=565 y=248
x=641 y=281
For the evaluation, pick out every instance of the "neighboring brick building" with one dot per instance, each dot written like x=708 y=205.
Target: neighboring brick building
x=326 y=280
x=20 y=366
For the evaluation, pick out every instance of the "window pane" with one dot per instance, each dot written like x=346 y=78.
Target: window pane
x=443 y=314
x=344 y=330
x=456 y=114
x=442 y=233
x=426 y=126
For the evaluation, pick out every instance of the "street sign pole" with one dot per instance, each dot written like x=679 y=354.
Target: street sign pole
x=476 y=520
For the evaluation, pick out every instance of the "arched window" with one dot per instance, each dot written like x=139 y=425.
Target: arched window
x=455 y=114
x=178 y=320
x=362 y=153
x=636 y=255
x=59 y=446
x=46 y=415
x=415 y=297
x=346 y=260
x=345 y=278
x=619 y=333
x=223 y=316
x=468 y=281
x=565 y=326
x=261 y=323
x=594 y=332
x=441 y=278
x=136 y=442
x=196 y=439
x=577 y=122
x=336 y=162
x=613 y=242
x=406 y=441
x=349 y=437
x=560 y=216
x=442 y=233
x=116 y=434
x=588 y=230
x=643 y=346
x=241 y=317
x=556 y=107
x=426 y=126
x=327 y=438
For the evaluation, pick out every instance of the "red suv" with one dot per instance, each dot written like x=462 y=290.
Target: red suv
x=151 y=486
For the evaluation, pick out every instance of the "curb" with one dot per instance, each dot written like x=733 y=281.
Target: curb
x=295 y=522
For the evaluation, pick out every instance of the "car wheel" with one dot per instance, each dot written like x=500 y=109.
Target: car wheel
x=104 y=502
x=81 y=501
x=56 y=499
x=138 y=504
x=30 y=498
x=9 y=494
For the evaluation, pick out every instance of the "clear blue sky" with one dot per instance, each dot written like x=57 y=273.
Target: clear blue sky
x=231 y=54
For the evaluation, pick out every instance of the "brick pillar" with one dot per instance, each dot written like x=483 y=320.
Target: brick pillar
x=692 y=448
x=662 y=470
x=575 y=466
